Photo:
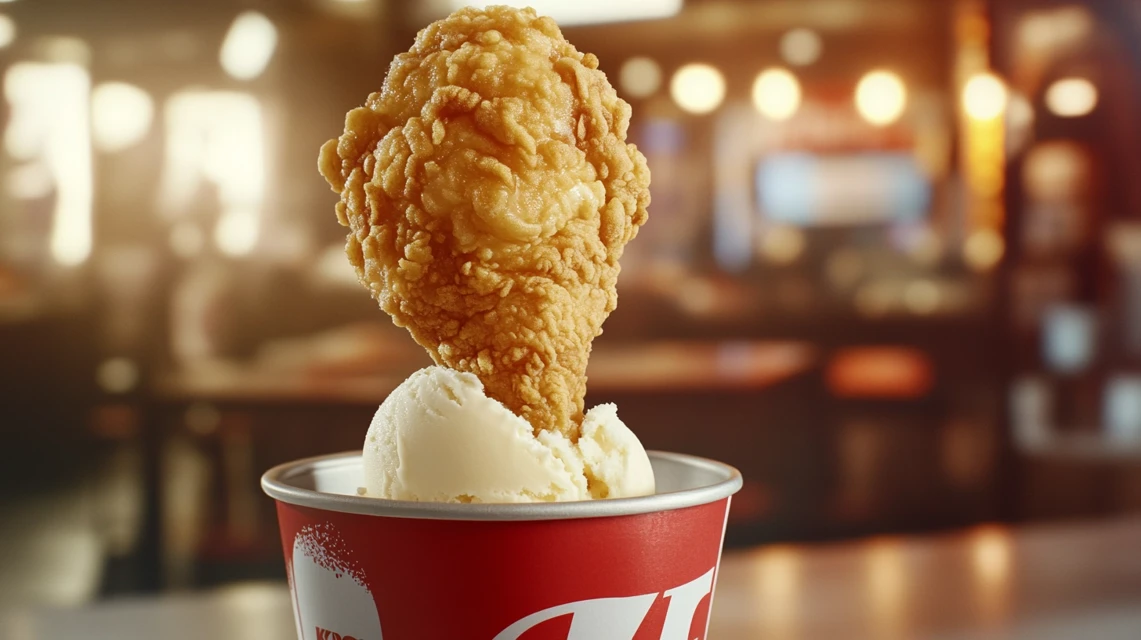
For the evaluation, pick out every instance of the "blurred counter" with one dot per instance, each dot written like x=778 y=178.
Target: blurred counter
x=994 y=583
x=657 y=367
x=211 y=430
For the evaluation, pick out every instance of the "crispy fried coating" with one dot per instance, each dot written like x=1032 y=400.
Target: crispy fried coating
x=489 y=192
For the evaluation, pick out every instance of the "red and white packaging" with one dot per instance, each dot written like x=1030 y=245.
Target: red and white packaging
x=627 y=569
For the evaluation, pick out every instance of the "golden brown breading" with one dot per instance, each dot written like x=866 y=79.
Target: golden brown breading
x=489 y=191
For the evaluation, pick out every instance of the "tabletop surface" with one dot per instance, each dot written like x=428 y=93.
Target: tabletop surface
x=1038 y=583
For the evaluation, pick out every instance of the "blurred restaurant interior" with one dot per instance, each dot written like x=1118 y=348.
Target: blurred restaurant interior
x=892 y=270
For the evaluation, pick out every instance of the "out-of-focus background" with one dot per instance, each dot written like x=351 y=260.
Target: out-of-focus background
x=892 y=270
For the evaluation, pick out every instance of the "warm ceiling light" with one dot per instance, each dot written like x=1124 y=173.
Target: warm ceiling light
x=801 y=47
x=248 y=46
x=1071 y=97
x=698 y=88
x=776 y=94
x=881 y=97
x=587 y=11
x=7 y=31
x=640 y=77
x=121 y=115
x=984 y=97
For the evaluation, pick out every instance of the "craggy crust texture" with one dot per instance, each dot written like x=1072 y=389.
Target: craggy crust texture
x=489 y=191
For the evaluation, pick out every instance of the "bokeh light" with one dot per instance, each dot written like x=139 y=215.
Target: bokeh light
x=801 y=47
x=1056 y=171
x=117 y=375
x=121 y=115
x=215 y=138
x=1019 y=123
x=992 y=564
x=991 y=555
x=776 y=94
x=640 y=77
x=782 y=244
x=7 y=31
x=922 y=297
x=698 y=88
x=881 y=97
x=984 y=97
x=249 y=46
x=236 y=233
x=1055 y=29
x=49 y=123
x=1071 y=97
x=983 y=249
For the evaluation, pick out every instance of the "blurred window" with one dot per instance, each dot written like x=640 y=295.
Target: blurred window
x=1069 y=336
x=49 y=127
x=809 y=190
x=216 y=138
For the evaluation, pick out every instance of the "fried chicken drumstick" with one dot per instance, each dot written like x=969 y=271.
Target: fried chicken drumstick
x=489 y=192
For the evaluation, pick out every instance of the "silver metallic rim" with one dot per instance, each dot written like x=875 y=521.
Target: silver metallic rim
x=277 y=483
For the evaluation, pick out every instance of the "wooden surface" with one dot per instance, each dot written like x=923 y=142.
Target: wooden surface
x=657 y=367
x=1048 y=583
x=1045 y=583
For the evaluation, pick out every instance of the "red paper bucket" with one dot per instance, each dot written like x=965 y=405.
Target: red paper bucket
x=625 y=569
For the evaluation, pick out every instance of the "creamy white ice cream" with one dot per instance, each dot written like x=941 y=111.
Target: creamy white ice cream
x=438 y=437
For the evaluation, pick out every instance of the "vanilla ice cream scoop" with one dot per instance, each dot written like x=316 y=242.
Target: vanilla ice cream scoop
x=438 y=437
